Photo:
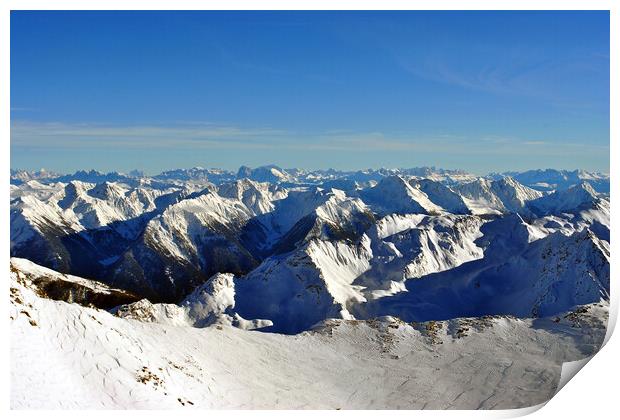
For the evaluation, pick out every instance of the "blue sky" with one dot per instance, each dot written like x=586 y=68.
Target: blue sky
x=480 y=91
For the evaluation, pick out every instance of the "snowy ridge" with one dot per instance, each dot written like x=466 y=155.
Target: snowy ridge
x=210 y=304
x=395 y=195
x=504 y=195
x=409 y=247
x=574 y=198
x=299 y=289
x=552 y=179
x=50 y=284
x=516 y=276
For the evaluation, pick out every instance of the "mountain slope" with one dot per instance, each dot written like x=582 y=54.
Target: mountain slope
x=500 y=196
x=299 y=289
x=537 y=278
x=412 y=246
x=394 y=194
x=574 y=198
x=183 y=246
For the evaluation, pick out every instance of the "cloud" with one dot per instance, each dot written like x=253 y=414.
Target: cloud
x=28 y=135
x=509 y=72
x=520 y=72
x=84 y=135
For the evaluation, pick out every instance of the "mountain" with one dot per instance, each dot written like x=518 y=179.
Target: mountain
x=50 y=284
x=387 y=288
x=541 y=180
x=299 y=252
x=552 y=179
x=183 y=246
x=394 y=194
x=258 y=197
x=215 y=176
x=574 y=198
x=442 y=195
x=270 y=173
x=19 y=177
x=212 y=303
x=411 y=246
x=300 y=288
x=80 y=227
x=538 y=278
x=504 y=195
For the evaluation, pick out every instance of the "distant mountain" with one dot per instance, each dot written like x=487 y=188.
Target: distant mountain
x=394 y=194
x=503 y=195
x=552 y=179
x=540 y=180
x=19 y=176
x=215 y=176
x=576 y=197
x=270 y=173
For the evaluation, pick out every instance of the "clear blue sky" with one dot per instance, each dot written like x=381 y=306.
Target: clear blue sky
x=481 y=91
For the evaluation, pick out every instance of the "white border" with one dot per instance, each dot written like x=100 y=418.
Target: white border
x=593 y=394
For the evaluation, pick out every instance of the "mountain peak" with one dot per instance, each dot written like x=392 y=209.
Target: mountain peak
x=577 y=197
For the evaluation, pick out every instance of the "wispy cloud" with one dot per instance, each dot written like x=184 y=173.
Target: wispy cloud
x=85 y=135
x=207 y=135
x=517 y=71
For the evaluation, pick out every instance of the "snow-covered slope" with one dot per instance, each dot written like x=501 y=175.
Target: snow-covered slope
x=395 y=194
x=183 y=246
x=411 y=246
x=314 y=213
x=212 y=303
x=51 y=284
x=298 y=289
x=258 y=197
x=441 y=195
x=504 y=195
x=552 y=179
x=574 y=198
x=519 y=275
x=68 y=356
x=81 y=228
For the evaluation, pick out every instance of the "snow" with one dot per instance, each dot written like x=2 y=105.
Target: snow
x=503 y=195
x=258 y=197
x=573 y=198
x=412 y=246
x=394 y=194
x=379 y=288
x=516 y=277
x=35 y=271
x=68 y=356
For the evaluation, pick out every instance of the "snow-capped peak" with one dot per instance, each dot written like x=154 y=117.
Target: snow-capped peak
x=394 y=194
x=577 y=197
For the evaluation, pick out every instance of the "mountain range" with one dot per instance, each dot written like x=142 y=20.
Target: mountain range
x=409 y=288
x=301 y=247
